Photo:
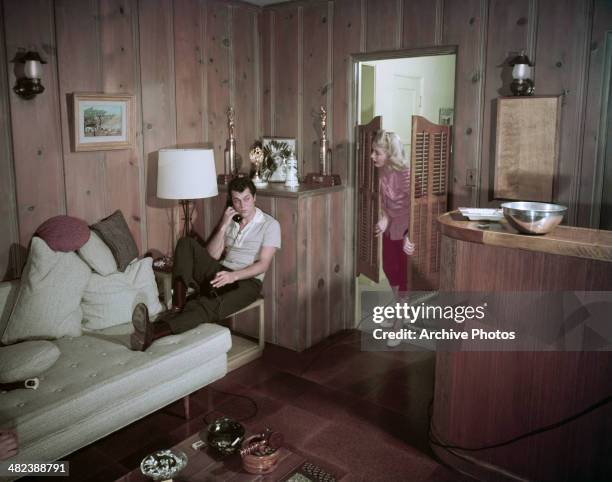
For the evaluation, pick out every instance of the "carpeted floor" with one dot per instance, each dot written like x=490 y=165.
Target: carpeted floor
x=360 y=415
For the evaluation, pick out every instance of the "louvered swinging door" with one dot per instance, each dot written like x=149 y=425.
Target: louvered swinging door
x=429 y=187
x=368 y=262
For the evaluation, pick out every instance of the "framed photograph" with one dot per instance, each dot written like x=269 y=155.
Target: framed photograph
x=103 y=121
x=276 y=152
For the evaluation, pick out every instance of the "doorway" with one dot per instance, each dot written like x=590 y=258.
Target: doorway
x=396 y=87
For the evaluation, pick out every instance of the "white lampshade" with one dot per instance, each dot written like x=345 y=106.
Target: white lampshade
x=186 y=174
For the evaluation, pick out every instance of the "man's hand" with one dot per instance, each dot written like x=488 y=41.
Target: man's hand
x=229 y=213
x=381 y=225
x=8 y=444
x=223 y=278
x=408 y=246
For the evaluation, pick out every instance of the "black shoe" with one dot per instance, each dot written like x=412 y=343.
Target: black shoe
x=142 y=337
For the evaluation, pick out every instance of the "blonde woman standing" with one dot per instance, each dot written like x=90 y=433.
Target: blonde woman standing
x=394 y=190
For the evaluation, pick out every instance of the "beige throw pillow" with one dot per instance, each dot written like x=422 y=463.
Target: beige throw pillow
x=26 y=360
x=48 y=305
x=110 y=300
x=98 y=255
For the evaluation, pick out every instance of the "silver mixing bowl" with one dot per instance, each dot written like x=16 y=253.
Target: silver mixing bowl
x=533 y=217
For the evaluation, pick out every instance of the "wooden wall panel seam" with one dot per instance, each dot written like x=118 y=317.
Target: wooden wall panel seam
x=581 y=104
x=482 y=56
x=532 y=34
x=363 y=27
x=204 y=69
x=300 y=91
x=439 y=27
x=258 y=91
x=399 y=28
x=329 y=88
x=142 y=184
x=272 y=76
x=63 y=188
x=230 y=55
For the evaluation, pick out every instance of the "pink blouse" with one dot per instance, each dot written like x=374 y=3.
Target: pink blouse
x=395 y=197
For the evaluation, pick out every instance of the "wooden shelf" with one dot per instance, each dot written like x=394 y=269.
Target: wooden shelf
x=242 y=352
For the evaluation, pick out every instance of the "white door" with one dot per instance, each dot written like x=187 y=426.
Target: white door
x=407 y=101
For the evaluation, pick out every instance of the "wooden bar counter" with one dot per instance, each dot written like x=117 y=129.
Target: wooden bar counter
x=483 y=398
x=305 y=288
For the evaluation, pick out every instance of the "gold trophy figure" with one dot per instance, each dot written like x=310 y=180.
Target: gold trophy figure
x=256 y=157
x=324 y=176
x=230 y=150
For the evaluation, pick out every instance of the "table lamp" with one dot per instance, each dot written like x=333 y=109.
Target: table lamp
x=186 y=174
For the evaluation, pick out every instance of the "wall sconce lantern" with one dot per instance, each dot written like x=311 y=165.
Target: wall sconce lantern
x=522 y=84
x=28 y=80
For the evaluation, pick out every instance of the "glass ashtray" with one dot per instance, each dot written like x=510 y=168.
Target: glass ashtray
x=163 y=464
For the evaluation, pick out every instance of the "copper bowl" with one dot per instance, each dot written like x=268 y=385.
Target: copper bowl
x=255 y=463
x=533 y=217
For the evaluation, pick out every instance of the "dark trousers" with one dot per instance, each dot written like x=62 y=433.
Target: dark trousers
x=395 y=262
x=197 y=268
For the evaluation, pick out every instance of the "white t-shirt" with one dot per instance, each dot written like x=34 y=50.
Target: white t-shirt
x=242 y=248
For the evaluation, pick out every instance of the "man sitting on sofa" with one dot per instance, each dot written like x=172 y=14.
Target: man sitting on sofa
x=227 y=274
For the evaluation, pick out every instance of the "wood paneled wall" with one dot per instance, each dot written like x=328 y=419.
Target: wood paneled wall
x=564 y=39
x=186 y=61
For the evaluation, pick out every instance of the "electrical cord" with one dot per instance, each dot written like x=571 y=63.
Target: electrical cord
x=246 y=397
x=436 y=441
x=342 y=337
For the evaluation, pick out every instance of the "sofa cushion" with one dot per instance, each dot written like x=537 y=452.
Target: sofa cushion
x=64 y=233
x=8 y=296
x=26 y=360
x=49 y=298
x=98 y=255
x=115 y=232
x=110 y=300
x=98 y=382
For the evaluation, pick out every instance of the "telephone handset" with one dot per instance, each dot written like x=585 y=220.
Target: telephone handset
x=236 y=217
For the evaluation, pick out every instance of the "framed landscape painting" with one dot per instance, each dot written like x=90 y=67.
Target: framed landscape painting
x=103 y=121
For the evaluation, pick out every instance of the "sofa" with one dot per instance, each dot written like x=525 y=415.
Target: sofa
x=98 y=385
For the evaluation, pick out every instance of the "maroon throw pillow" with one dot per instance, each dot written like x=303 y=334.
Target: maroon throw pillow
x=64 y=233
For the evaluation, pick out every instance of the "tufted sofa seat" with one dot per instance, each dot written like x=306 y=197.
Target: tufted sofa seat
x=98 y=385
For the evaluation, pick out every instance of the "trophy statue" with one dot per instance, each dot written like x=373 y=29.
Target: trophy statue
x=230 y=151
x=324 y=176
x=256 y=156
x=292 y=177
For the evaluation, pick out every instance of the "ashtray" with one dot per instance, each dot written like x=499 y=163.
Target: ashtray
x=259 y=459
x=163 y=464
x=225 y=435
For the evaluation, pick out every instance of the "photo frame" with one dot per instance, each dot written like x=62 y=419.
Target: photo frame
x=102 y=121
x=276 y=152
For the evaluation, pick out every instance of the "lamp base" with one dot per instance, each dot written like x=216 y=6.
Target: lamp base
x=326 y=180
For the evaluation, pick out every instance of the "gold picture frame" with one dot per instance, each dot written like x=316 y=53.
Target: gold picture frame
x=102 y=121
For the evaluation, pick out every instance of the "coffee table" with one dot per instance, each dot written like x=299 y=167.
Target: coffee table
x=205 y=465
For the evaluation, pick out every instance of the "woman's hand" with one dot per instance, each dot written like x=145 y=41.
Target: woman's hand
x=381 y=225
x=223 y=278
x=408 y=246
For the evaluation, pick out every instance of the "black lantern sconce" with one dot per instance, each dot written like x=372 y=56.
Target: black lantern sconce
x=522 y=83
x=28 y=78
